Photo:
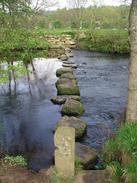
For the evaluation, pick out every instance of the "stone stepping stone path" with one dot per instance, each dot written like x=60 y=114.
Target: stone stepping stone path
x=68 y=95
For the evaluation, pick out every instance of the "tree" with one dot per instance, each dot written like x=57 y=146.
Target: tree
x=78 y=7
x=131 y=113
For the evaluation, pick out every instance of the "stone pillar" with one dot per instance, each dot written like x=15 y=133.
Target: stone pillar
x=64 y=140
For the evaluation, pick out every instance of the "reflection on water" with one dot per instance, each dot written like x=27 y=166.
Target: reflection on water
x=26 y=114
x=28 y=117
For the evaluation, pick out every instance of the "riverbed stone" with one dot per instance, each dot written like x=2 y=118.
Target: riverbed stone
x=68 y=76
x=72 y=108
x=68 y=89
x=86 y=155
x=61 y=99
x=64 y=140
x=77 y=123
x=61 y=71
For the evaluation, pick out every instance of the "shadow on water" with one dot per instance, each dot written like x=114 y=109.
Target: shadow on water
x=27 y=116
x=103 y=84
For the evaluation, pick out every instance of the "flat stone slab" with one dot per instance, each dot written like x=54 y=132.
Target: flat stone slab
x=72 y=108
x=70 y=65
x=68 y=62
x=94 y=176
x=68 y=76
x=64 y=140
x=62 y=98
x=61 y=71
x=77 y=123
x=86 y=155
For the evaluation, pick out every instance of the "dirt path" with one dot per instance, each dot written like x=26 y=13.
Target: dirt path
x=20 y=174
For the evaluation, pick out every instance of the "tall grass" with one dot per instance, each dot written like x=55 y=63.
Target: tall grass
x=120 y=153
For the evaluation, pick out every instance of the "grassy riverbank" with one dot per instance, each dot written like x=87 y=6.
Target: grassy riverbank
x=105 y=40
x=120 y=154
x=102 y=40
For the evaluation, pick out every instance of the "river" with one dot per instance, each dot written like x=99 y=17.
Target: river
x=27 y=116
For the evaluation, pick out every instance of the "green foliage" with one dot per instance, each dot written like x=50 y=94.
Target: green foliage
x=124 y=141
x=106 y=40
x=57 y=178
x=15 y=160
x=21 y=44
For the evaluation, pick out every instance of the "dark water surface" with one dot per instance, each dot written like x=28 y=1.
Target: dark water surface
x=103 y=84
x=27 y=119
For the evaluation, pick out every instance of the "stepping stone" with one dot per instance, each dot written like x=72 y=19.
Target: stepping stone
x=65 y=80
x=63 y=57
x=64 y=140
x=62 y=99
x=68 y=76
x=77 y=123
x=86 y=155
x=69 y=62
x=72 y=108
x=68 y=89
x=70 y=65
x=61 y=71
x=94 y=176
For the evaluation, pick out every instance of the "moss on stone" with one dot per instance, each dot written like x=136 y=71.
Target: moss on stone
x=68 y=89
x=61 y=71
x=66 y=80
x=72 y=108
x=77 y=123
x=68 y=76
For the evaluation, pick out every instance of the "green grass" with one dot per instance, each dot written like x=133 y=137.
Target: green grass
x=124 y=141
x=102 y=40
x=106 y=40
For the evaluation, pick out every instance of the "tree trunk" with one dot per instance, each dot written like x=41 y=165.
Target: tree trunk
x=131 y=113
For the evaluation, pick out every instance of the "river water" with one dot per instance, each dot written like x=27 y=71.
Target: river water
x=27 y=117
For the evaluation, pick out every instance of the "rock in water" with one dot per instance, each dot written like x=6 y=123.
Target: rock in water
x=68 y=76
x=86 y=155
x=77 y=123
x=70 y=65
x=63 y=57
x=65 y=80
x=62 y=98
x=72 y=108
x=68 y=89
x=61 y=71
